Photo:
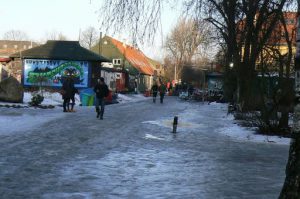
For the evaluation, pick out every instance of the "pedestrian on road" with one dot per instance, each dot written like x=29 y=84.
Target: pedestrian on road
x=162 y=91
x=75 y=90
x=135 y=87
x=190 y=90
x=67 y=90
x=101 y=91
x=154 y=91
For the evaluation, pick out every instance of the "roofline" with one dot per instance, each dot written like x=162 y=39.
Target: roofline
x=56 y=58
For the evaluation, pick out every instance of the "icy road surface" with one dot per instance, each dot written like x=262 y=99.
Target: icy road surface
x=133 y=154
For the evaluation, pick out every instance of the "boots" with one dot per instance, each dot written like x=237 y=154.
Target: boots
x=98 y=112
x=101 y=115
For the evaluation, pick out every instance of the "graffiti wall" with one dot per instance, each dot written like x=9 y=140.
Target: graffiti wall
x=54 y=72
x=215 y=84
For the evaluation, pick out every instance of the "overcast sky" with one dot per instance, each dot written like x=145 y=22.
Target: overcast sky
x=39 y=17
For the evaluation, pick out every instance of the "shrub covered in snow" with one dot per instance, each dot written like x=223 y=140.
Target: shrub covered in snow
x=36 y=100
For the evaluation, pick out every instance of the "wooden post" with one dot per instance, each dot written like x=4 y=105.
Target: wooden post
x=175 y=123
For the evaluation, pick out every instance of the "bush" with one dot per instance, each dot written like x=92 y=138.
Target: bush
x=36 y=100
x=255 y=119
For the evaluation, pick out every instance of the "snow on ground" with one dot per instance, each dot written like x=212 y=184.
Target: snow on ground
x=130 y=98
x=49 y=99
x=13 y=120
x=231 y=129
x=55 y=99
x=191 y=119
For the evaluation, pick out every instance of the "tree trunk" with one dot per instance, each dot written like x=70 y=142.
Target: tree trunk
x=284 y=119
x=291 y=187
x=245 y=90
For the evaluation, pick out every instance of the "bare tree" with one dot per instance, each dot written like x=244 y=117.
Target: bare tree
x=16 y=35
x=89 y=37
x=169 y=67
x=238 y=22
x=141 y=18
x=185 y=42
x=245 y=27
x=274 y=58
x=54 y=35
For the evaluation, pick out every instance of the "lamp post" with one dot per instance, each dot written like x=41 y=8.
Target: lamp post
x=175 y=76
x=100 y=43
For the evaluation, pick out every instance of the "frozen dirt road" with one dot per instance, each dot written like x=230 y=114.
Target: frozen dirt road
x=133 y=154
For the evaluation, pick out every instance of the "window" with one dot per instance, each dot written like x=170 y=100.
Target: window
x=116 y=61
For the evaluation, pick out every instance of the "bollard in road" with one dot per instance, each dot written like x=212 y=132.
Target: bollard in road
x=175 y=122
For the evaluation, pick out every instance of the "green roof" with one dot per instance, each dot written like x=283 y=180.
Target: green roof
x=60 y=50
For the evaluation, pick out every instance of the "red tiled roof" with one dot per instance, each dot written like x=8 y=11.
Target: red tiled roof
x=277 y=35
x=4 y=59
x=135 y=57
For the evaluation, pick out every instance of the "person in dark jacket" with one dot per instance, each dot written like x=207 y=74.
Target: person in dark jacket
x=67 y=90
x=101 y=91
x=75 y=90
x=190 y=90
x=162 y=91
x=154 y=91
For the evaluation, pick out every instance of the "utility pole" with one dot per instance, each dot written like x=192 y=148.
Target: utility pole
x=291 y=187
x=175 y=75
x=79 y=34
x=100 y=43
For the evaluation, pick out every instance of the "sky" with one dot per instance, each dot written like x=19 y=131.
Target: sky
x=37 y=18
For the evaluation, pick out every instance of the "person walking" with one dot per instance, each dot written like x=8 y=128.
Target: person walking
x=162 y=90
x=67 y=90
x=154 y=91
x=75 y=90
x=101 y=91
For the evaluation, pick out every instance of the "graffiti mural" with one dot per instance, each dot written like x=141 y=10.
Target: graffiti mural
x=54 y=72
x=215 y=84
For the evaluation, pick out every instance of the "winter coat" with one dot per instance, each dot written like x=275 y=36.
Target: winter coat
x=67 y=88
x=75 y=90
x=101 y=90
x=154 y=90
x=162 y=89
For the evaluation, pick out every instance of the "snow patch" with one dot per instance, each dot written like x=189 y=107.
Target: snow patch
x=13 y=121
x=130 y=98
x=62 y=195
x=149 y=136
x=243 y=134
x=169 y=123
